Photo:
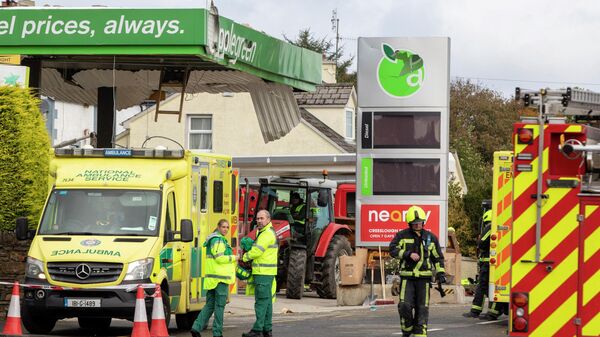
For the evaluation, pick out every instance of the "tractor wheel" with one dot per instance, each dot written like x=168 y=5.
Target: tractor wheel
x=295 y=277
x=330 y=272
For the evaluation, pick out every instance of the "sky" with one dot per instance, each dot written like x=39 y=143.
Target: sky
x=499 y=44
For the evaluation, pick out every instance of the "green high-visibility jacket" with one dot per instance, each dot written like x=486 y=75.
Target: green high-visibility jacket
x=220 y=261
x=264 y=252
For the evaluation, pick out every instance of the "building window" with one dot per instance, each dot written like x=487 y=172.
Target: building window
x=350 y=123
x=200 y=133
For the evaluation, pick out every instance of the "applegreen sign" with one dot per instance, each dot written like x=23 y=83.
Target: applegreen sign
x=192 y=32
x=400 y=72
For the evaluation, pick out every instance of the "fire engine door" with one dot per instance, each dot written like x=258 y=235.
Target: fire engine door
x=588 y=301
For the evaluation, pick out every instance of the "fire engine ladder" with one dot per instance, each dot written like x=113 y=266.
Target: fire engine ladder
x=565 y=102
x=171 y=78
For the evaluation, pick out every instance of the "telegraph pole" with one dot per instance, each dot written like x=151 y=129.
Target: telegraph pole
x=335 y=26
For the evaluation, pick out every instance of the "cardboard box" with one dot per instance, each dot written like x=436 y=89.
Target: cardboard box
x=351 y=270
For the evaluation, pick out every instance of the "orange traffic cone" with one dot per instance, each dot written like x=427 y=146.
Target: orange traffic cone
x=13 y=319
x=159 y=326
x=140 y=320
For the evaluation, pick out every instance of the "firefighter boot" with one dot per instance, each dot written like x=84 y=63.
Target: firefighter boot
x=253 y=333
x=488 y=317
x=471 y=314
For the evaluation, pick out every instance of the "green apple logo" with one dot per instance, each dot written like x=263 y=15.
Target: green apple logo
x=400 y=72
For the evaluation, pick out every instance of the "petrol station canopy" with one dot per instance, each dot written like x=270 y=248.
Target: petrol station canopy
x=142 y=53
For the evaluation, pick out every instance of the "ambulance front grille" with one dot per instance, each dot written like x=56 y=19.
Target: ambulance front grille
x=84 y=272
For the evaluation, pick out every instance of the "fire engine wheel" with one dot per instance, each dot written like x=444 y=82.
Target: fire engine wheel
x=330 y=272
x=36 y=324
x=94 y=323
x=296 y=271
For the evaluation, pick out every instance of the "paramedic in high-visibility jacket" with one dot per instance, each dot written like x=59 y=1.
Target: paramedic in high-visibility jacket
x=219 y=274
x=264 y=269
x=419 y=253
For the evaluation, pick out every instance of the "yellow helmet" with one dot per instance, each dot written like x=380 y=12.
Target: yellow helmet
x=415 y=214
x=487 y=216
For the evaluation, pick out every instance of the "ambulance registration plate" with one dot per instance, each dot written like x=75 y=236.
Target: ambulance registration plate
x=82 y=302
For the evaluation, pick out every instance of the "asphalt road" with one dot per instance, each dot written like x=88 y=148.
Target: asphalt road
x=445 y=321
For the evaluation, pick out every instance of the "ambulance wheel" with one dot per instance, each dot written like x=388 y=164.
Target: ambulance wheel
x=295 y=277
x=185 y=321
x=36 y=324
x=330 y=269
x=166 y=308
x=94 y=323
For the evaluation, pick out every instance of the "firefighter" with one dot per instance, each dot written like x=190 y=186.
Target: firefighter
x=483 y=246
x=419 y=252
x=264 y=269
x=220 y=273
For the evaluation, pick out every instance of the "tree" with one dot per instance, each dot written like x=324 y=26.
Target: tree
x=324 y=46
x=480 y=123
x=24 y=157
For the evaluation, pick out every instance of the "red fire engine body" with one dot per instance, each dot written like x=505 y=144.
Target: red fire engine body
x=555 y=245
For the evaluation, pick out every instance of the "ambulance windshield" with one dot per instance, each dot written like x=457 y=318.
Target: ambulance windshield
x=101 y=212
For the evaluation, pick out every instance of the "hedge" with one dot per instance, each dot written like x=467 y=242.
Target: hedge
x=24 y=157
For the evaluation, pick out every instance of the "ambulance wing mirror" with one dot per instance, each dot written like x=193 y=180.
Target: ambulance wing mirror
x=187 y=230
x=22 y=230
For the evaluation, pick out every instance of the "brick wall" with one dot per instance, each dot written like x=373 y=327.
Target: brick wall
x=12 y=266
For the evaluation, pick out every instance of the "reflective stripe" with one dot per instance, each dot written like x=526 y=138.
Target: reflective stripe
x=269 y=265
x=486 y=235
x=407 y=240
x=476 y=307
x=211 y=256
x=259 y=247
x=484 y=259
x=218 y=277
x=273 y=246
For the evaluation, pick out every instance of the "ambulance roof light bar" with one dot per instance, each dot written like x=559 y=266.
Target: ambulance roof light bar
x=118 y=153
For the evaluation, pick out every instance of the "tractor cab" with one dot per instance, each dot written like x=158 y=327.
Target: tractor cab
x=303 y=219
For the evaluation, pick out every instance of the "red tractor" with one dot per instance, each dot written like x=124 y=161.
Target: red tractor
x=311 y=242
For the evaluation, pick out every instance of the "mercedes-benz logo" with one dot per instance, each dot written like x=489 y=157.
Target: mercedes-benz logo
x=83 y=271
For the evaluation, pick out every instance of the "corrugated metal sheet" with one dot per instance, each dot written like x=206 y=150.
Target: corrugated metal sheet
x=275 y=108
x=275 y=105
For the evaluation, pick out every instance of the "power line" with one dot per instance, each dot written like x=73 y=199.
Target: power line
x=523 y=81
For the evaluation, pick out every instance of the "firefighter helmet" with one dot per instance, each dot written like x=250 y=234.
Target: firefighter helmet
x=242 y=273
x=415 y=214
x=487 y=216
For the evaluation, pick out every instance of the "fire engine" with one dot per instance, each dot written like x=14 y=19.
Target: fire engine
x=555 y=234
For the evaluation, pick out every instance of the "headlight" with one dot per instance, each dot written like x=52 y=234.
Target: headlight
x=139 y=270
x=34 y=268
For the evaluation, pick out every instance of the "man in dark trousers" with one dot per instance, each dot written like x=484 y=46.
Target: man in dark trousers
x=419 y=253
x=483 y=246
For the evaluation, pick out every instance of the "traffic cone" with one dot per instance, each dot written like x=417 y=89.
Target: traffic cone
x=158 y=327
x=13 y=319
x=140 y=320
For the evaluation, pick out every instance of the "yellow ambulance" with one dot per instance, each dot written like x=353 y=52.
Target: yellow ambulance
x=116 y=218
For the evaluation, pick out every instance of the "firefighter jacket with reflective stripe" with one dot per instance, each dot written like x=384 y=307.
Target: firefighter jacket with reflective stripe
x=264 y=252
x=426 y=245
x=483 y=244
x=220 y=261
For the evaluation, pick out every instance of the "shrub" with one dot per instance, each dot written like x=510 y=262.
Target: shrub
x=24 y=157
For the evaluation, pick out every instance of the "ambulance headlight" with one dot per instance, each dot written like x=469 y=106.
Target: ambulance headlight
x=34 y=268
x=139 y=270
